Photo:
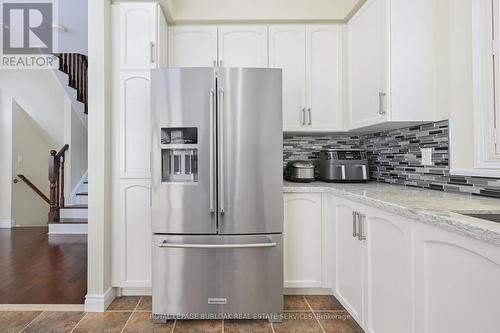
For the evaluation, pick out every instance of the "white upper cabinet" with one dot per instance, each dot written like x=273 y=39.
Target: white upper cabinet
x=311 y=59
x=392 y=66
x=243 y=46
x=287 y=51
x=368 y=65
x=324 y=77
x=302 y=240
x=138 y=34
x=192 y=46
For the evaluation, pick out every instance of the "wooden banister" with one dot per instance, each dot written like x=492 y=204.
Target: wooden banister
x=34 y=188
x=62 y=150
x=56 y=183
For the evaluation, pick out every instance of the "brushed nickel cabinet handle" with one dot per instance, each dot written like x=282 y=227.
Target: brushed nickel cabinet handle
x=354 y=224
x=381 y=106
x=152 y=52
x=361 y=233
x=303 y=116
x=310 y=116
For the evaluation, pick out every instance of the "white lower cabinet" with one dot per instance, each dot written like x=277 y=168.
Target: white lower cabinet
x=402 y=275
x=302 y=240
x=389 y=273
x=132 y=230
x=349 y=260
x=457 y=283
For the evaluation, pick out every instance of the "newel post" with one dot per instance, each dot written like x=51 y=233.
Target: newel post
x=53 y=180
x=61 y=179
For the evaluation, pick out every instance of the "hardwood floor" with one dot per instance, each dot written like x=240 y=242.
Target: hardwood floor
x=36 y=268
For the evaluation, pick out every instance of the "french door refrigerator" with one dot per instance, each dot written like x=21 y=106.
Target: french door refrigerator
x=217 y=193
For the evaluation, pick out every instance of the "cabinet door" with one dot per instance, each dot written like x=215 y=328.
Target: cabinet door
x=135 y=124
x=162 y=48
x=367 y=39
x=457 y=289
x=302 y=240
x=324 y=77
x=134 y=225
x=349 y=261
x=194 y=46
x=138 y=36
x=389 y=268
x=243 y=46
x=287 y=51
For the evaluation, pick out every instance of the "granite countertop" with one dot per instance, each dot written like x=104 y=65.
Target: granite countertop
x=427 y=206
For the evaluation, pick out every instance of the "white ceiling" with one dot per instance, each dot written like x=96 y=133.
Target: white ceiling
x=210 y=11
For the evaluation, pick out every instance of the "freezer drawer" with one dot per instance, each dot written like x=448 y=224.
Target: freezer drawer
x=199 y=277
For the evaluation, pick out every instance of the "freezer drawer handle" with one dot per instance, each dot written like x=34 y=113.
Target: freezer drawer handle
x=216 y=246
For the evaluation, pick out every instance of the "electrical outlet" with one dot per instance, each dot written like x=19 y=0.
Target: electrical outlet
x=426 y=156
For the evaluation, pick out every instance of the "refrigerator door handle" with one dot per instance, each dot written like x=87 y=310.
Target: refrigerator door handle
x=220 y=142
x=215 y=246
x=212 y=129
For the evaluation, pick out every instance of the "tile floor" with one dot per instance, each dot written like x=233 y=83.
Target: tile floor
x=303 y=314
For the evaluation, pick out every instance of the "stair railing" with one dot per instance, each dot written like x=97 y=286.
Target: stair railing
x=76 y=66
x=56 y=183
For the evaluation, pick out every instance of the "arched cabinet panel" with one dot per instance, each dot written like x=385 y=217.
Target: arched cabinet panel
x=302 y=240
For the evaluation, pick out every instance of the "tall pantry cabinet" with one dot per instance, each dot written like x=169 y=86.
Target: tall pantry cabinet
x=139 y=45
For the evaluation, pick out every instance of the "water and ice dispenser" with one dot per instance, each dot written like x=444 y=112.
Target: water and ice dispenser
x=179 y=154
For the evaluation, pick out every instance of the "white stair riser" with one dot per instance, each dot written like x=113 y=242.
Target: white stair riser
x=84 y=188
x=82 y=199
x=74 y=213
x=68 y=228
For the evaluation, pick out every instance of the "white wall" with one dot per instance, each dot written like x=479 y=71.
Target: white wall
x=30 y=151
x=76 y=164
x=73 y=16
x=6 y=159
x=38 y=92
x=259 y=10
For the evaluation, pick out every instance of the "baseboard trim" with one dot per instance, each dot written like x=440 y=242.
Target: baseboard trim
x=99 y=302
x=135 y=291
x=5 y=223
x=308 y=291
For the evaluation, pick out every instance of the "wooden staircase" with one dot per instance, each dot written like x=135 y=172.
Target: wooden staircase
x=62 y=218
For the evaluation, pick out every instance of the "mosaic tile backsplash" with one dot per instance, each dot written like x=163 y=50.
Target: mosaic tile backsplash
x=394 y=157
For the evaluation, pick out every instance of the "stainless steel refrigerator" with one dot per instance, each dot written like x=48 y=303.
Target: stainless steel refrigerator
x=217 y=193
